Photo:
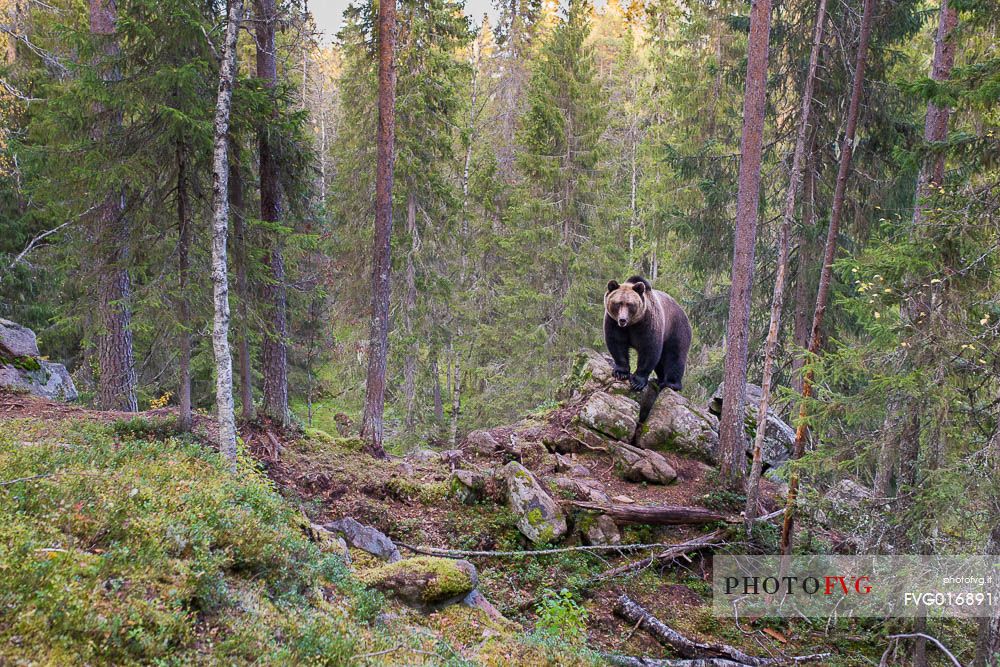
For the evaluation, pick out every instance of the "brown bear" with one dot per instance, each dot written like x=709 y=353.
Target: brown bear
x=648 y=320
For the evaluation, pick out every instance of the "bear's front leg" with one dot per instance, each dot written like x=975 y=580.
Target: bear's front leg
x=649 y=357
x=617 y=344
x=638 y=382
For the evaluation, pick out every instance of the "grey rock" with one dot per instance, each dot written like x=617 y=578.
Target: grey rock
x=575 y=438
x=779 y=437
x=423 y=456
x=468 y=486
x=674 y=424
x=589 y=490
x=568 y=465
x=49 y=380
x=481 y=442
x=600 y=529
x=613 y=415
x=17 y=341
x=539 y=517
x=643 y=465
x=365 y=538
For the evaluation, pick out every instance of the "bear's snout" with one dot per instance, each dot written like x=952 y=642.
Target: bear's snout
x=622 y=322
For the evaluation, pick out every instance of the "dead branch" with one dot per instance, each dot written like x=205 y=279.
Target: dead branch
x=460 y=553
x=916 y=635
x=707 y=541
x=633 y=612
x=660 y=515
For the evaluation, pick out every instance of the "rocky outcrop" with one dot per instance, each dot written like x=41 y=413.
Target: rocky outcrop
x=425 y=582
x=778 y=436
x=612 y=415
x=581 y=489
x=539 y=518
x=21 y=369
x=675 y=425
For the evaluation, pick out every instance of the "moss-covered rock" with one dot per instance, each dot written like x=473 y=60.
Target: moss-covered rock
x=425 y=581
x=539 y=517
x=613 y=415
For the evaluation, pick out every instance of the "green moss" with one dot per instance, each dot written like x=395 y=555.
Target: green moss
x=448 y=579
x=427 y=493
x=22 y=363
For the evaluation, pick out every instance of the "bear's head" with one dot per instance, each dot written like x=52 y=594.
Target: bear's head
x=625 y=304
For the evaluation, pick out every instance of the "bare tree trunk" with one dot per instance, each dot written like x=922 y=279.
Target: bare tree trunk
x=988 y=641
x=183 y=305
x=823 y=292
x=275 y=347
x=243 y=291
x=438 y=402
x=378 y=348
x=116 y=383
x=456 y=397
x=732 y=446
x=409 y=305
x=803 y=305
x=936 y=121
x=220 y=224
x=778 y=299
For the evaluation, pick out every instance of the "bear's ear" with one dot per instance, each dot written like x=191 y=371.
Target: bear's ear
x=613 y=285
x=640 y=288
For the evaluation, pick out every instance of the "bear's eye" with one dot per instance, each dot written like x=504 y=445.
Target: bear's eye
x=631 y=309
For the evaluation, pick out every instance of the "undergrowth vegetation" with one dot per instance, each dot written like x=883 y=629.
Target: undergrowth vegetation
x=119 y=547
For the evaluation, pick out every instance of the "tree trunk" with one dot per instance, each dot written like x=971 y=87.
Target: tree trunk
x=655 y=515
x=823 y=291
x=275 y=347
x=183 y=305
x=988 y=641
x=116 y=383
x=438 y=402
x=778 y=299
x=220 y=224
x=732 y=447
x=243 y=290
x=378 y=348
x=803 y=305
x=936 y=121
x=409 y=306
x=456 y=397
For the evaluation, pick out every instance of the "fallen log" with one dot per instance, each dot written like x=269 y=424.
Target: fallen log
x=659 y=515
x=634 y=613
x=630 y=661
x=707 y=541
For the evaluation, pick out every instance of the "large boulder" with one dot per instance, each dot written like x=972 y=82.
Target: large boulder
x=17 y=341
x=539 y=517
x=468 y=486
x=613 y=415
x=643 y=465
x=778 y=435
x=22 y=370
x=674 y=424
x=39 y=377
x=425 y=582
x=591 y=371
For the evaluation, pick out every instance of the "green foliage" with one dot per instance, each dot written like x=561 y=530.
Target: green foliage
x=561 y=617
x=132 y=548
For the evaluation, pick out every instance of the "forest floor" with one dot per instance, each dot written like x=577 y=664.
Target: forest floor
x=410 y=499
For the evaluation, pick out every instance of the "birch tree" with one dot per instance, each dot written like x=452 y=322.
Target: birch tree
x=220 y=231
